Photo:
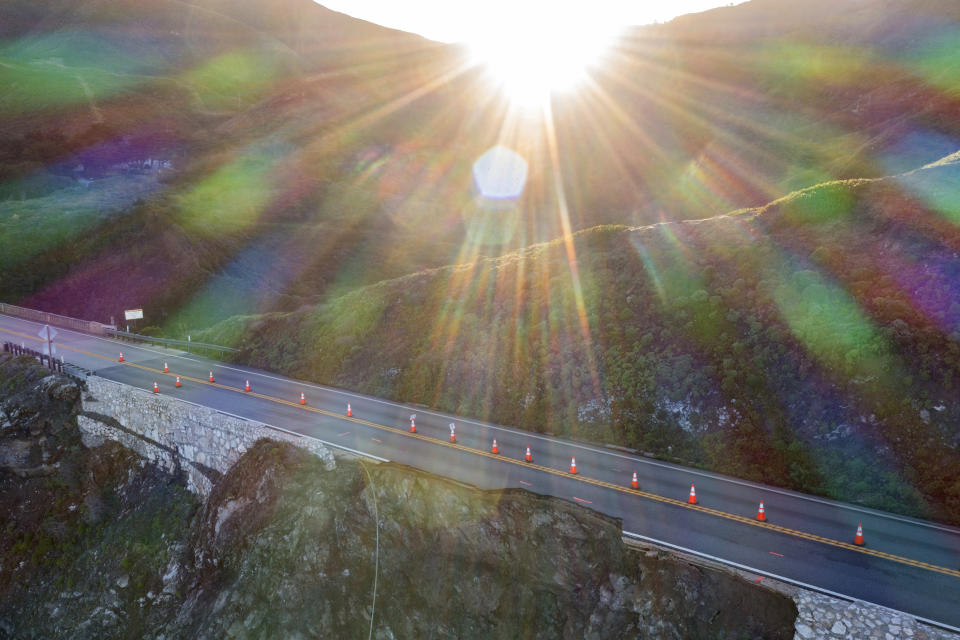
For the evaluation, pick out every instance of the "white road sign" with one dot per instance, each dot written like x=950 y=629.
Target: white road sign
x=47 y=336
x=133 y=314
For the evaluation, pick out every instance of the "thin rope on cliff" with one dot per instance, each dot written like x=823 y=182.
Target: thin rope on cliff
x=376 y=562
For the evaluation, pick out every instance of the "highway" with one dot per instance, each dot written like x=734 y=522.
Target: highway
x=906 y=564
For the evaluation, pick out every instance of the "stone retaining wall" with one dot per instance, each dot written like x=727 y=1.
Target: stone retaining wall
x=175 y=434
x=822 y=617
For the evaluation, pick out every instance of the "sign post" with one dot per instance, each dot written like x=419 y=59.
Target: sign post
x=132 y=314
x=48 y=333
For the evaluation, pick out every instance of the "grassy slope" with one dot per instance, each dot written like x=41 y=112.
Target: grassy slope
x=29 y=226
x=228 y=110
x=369 y=174
x=812 y=343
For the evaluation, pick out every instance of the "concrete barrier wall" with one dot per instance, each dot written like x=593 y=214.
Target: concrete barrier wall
x=178 y=435
x=52 y=318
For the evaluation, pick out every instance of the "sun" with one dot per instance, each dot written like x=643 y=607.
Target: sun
x=532 y=49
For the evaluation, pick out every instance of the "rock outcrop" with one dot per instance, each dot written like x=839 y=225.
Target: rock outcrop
x=86 y=532
x=295 y=548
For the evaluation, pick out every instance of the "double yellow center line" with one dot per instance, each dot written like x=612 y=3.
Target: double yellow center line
x=529 y=465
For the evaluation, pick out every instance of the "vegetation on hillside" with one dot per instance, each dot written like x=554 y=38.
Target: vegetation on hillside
x=300 y=153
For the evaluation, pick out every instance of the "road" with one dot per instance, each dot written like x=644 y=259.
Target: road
x=907 y=564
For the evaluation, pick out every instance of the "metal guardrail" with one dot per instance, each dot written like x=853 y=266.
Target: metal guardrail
x=88 y=326
x=187 y=344
x=79 y=374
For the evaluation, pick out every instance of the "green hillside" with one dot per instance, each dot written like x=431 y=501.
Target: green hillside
x=277 y=129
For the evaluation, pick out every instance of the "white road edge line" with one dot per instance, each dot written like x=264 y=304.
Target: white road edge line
x=636 y=459
x=804 y=585
x=362 y=454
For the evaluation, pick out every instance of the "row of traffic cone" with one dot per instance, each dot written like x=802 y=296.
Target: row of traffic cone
x=528 y=456
x=246 y=385
x=413 y=426
x=761 y=513
x=634 y=482
x=156 y=387
x=166 y=369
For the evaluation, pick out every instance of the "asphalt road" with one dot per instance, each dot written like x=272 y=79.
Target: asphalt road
x=907 y=564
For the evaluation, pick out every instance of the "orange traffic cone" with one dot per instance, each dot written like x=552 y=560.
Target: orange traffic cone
x=635 y=483
x=178 y=381
x=211 y=376
x=349 y=411
x=413 y=426
x=693 y=495
x=246 y=386
x=528 y=457
x=166 y=369
x=858 y=539
x=156 y=389
x=573 y=465
x=303 y=398
x=120 y=359
x=494 y=448
x=761 y=516
x=453 y=438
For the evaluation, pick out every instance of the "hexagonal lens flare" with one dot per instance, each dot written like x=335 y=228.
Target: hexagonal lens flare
x=500 y=173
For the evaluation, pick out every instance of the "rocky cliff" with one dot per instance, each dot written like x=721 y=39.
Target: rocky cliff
x=100 y=543
x=87 y=533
